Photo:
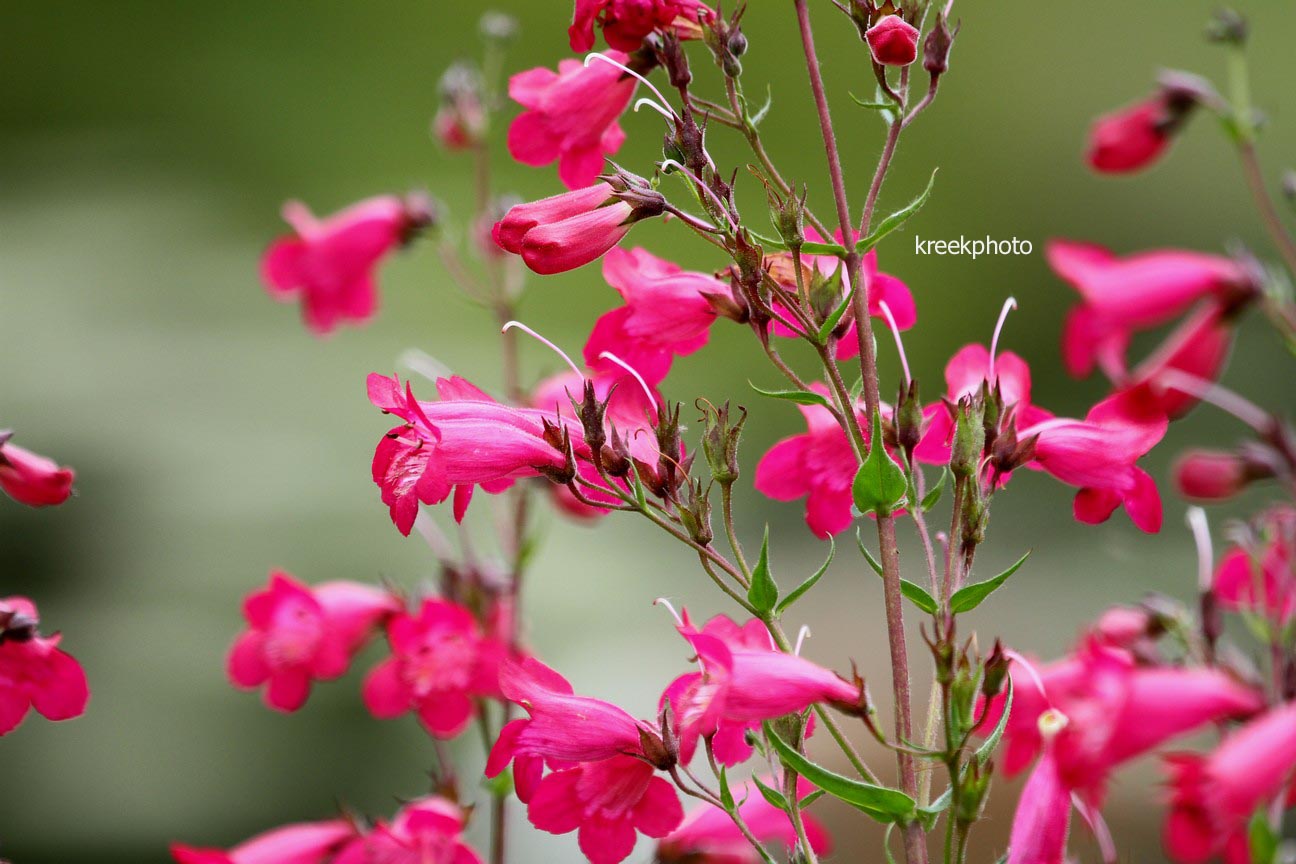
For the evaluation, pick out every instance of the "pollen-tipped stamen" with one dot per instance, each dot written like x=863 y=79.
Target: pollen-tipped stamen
x=641 y=79
x=652 y=399
x=1009 y=305
x=1200 y=527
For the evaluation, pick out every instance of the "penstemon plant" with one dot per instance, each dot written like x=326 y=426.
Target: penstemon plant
x=601 y=439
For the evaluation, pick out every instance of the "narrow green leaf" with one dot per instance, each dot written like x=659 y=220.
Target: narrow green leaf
x=880 y=484
x=807 y=584
x=1261 y=838
x=755 y=119
x=801 y=397
x=934 y=494
x=987 y=748
x=811 y=798
x=499 y=786
x=872 y=106
x=868 y=556
x=886 y=844
x=763 y=593
x=969 y=597
x=773 y=796
x=830 y=323
x=913 y=592
x=726 y=794
x=879 y=802
x=640 y=497
x=896 y=219
x=929 y=814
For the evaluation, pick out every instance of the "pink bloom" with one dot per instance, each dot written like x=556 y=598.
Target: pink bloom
x=297 y=634
x=1198 y=347
x=818 y=465
x=1098 y=454
x=1043 y=818
x=34 y=671
x=1130 y=139
x=709 y=836
x=425 y=831
x=31 y=479
x=571 y=117
x=1123 y=627
x=440 y=662
x=331 y=264
x=302 y=843
x=626 y=23
x=893 y=41
x=1116 y=711
x=1213 y=797
x=1210 y=475
x=666 y=314
x=1262 y=580
x=607 y=802
x=567 y=231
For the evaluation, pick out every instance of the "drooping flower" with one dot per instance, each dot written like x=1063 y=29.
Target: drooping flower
x=570 y=117
x=32 y=479
x=709 y=836
x=1259 y=577
x=425 y=831
x=297 y=634
x=301 y=843
x=893 y=41
x=34 y=671
x=331 y=264
x=818 y=465
x=440 y=663
x=626 y=23
x=1136 y=136
x=1213 y=797
x=1214 y=475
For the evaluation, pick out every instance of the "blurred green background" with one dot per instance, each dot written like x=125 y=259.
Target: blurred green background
x=145 y=148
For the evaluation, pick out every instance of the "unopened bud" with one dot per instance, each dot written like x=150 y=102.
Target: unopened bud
x=893 y=41
x=1227 y=27
x=995 y=671
x=720 y=442
x=969 y=439
x=936 y=48
x=1214 y=475
x=908 y=419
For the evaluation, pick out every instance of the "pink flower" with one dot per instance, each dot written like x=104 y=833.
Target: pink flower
x=666 y=314
x=606 y=802
x=626 y=23
x=1130 y=139
x=331 y=264
x=818 y=465
x=302 y=843
x=1262 y=580
x=440 y=662
x=709 y=836
x=1213 y=797
x=1043 y=818
x=1198 y=347
x=1098 y=454
x=1115 y=710
x=1124 y=627
x=425 y=831
x=297 y=634
x=31 y=479
x=1210 y=475
x=34 y=671
x=893 y=41
x=571 y=117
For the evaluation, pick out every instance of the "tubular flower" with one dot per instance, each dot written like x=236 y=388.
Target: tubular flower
x=1116 y=709
x=331 y=264
x=34 y=671
x=606 y=802
x=570 y=117
x=1136 y=136
x=893 y=41
x=709 y=836
x=440 y=662
x=626 y=23
x=31 y=479
x=1098 y=454
x=302 y=843
x=818 y=465
x=297 y=634
x=1043 y=818
x=1211 y=475
x=1198 y=347
x=1213 y=797
x=424 y=831
x=1259 y=577
x=1120 y=296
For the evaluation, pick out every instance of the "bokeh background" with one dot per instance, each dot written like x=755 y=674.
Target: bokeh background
x=145 y=148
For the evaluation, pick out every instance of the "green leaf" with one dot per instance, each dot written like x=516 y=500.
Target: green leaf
x=934 y=494
x=896 y=219
x=880 y=484
x=763 y=593
x=886 y=844
x=755 y=119
x=872 y=106
x=499 y=786
x=807 y=584
x=773 y=796
x=929 y=814
x=801 y=397
x=830 y=323
x=969 y=597
x=915 y=593
x=811 y=798
x=1261 y=838
x=987 y=748
x=879 y=802
x=868 y=556
x=726 y=794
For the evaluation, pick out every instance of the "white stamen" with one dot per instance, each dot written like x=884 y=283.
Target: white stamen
x=1009 y=305
x=1052 y=722
x=895 y=331
x=704 y=187
x=662 y=601
x=652 y=103
x=436 y=540
x=1196 y=518
x=803 y=635
x=1031 y=672
x=626 y=69
x=608 y=355
x=1248 y=412
x=518 y=325
x=424 y=364
x=1047 y=426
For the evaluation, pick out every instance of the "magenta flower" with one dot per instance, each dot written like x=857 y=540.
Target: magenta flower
x=1262 y=580
x=424 y=831
x=1043 y=818
x=606 y=802
x=331 y=264
x=626 y=23
x=302 y=843
x=440 y=662
x=818 y=465
x=1213 y=797
x=1131 y=138
x=298 y=633
x=565 y=231
x=893 y=41
x=1098 y=454
x=1198 y=347
x=1210 y=475
x=709 y=836
x=31 y=479
x=34 y=671
x=571 y=117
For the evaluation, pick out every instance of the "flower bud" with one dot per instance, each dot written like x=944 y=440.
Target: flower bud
x=936 y=48
x=908 y=419
x=1228 y=27
x=696 y=514
x=788 y=217
x=1125 y=626
x=969 y=439
x=974 y=516
x=1134 y=137
x=460 y=121
x=973 y=786
x=720 y=443
x=995 y=672
x=1213 y=475
x=893 y=41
